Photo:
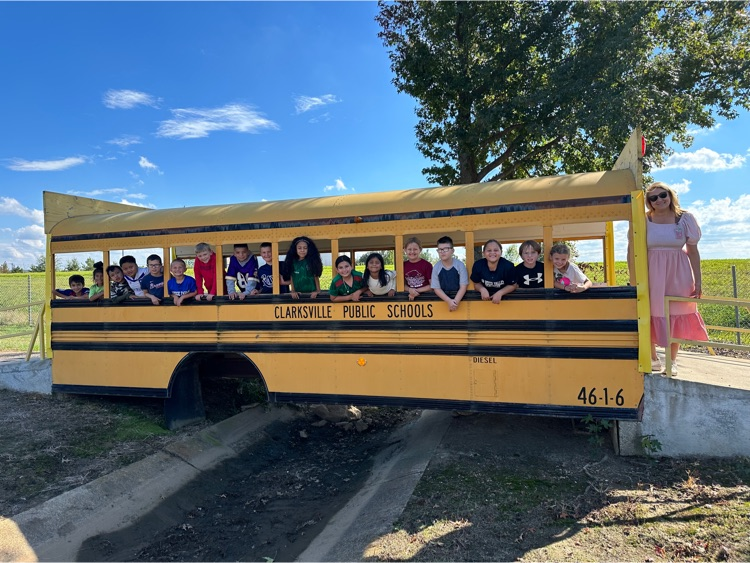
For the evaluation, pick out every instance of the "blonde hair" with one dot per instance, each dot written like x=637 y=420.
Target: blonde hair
x=674 y=201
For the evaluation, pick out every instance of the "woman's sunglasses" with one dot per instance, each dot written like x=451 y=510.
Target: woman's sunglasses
x=653 y=198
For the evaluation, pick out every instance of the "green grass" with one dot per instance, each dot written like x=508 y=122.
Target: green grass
x=127 y=425
x=717 y=282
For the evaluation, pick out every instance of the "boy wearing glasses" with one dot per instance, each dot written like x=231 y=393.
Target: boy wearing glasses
x=152 y=284
x=449 y=275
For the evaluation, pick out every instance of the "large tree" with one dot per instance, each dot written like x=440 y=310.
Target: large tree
x=511 y=89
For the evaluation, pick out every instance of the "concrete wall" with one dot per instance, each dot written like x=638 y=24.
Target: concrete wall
x=689 y=419
x=34 y=376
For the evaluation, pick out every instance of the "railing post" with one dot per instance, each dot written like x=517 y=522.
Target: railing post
x=28 y=295
x=668 y=347
x=736 y=309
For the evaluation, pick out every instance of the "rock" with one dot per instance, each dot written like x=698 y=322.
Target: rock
x=336 y=413
x=361 y=426
x=321 y=411
x=319 y=423
x=303 y=434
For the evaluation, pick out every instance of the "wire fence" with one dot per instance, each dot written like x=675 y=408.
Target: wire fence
x=17 y=290
x=721 y=278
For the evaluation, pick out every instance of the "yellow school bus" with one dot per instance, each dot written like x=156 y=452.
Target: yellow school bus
x=539 y=352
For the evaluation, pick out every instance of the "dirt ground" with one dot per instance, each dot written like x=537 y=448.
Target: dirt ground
x=51 y=444
x=498 y=488
x=509 y=488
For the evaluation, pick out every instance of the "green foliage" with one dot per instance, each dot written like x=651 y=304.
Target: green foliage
x=251 y=390
x=510 y=252
x=72 y=265
x=387 y=256
x=650 y=444
x=89 y=264
x=12 y=269
x=596 y=427
x=515 y=89
x=41 y=264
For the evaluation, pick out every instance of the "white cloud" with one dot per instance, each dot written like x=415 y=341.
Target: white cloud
x=704 y=159
x=119 y=192
x=125 y=141
x=144 y=205
x=21 y=165
x=681 y=187
x=695 y=131
x=722 y=212
x=22 y=246
x=306 y=103
x=147 y=165
x=192 y=123
x=338 y=186
x=31 y=236
x=320 y=118
x=128 y=99
x=724 y=223
x=97 y=193
x=10 y=206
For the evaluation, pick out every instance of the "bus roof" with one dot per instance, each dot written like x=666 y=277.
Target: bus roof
x=510 y=194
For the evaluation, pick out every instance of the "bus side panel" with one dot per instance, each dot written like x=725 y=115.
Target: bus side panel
x=607 y=383
x=145 y=373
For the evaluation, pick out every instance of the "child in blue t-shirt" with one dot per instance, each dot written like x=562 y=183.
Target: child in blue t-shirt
x=180 y=286
x=265 y=273
x=242 y=272
x=493 y=275
x=152 y=284
x=76 y=291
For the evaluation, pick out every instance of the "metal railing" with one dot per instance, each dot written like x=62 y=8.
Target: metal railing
x=37 y=331
x=729 y=301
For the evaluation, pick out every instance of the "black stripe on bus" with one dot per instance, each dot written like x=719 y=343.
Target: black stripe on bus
x=447 y=404
x=616 y=292
x=377 y=218
x=582 y=352
x=395 y=325
x=380 y=401
x=144 y=392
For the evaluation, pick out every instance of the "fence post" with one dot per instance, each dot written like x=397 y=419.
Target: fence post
x=736 y=309
x=28 y=294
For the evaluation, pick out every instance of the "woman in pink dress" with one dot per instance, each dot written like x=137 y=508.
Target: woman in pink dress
x=674 y=268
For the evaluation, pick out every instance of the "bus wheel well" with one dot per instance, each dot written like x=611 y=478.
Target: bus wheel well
x=200 y=370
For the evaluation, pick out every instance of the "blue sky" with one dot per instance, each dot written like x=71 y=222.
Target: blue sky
x=179 y=104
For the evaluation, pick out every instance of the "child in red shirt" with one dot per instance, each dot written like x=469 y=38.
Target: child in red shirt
x=205 y=271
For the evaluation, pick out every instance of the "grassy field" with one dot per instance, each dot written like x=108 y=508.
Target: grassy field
x=717 y=282
x=19 y=289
